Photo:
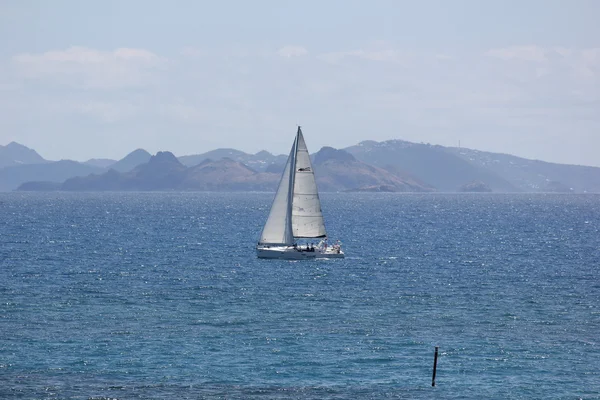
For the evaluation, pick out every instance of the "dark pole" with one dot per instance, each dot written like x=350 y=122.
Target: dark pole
x=434 y=366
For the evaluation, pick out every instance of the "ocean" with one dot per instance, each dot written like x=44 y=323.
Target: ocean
x=160 y=295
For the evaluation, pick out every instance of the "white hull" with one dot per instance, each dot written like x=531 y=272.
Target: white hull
x=284 y=253
x=291 y=253
x=330 y=253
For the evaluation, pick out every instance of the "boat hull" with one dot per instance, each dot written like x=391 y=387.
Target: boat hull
x=330 y=254
x=291 y=253
x=284 y=253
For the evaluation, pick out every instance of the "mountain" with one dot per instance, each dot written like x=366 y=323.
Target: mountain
x=40 y=186
x=393 y=165
x=33 y=168
x=17 y=154
x=100 y=162
x=475 y=187
x=432 y=164
x=126 y=164
x=276 y=168
x=533 y=175
x=107 y=181
x=228 y=175
x=263 y=159
x=338 y=170
x=409 y=178
x=217 y=154
x=12 y=177
x=259 y=161
x=131 y=160
x=162 y=172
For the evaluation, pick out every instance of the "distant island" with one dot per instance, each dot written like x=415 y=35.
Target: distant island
x=335 y=169
x=476 y=187
x=390 y=166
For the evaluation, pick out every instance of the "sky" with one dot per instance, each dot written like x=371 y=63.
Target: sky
x=83 y=79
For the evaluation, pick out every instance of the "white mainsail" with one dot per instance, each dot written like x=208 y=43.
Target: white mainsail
x=278 y=228
x=307 y=218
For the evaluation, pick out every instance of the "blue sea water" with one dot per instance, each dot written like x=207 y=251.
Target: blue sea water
x=160 y=295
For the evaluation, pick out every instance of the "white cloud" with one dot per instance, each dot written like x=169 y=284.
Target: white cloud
x=591 y=57
x=107 y=111
x=378 y=55
x=90 y=68
x=443 y=57
x=181 y=112
x=563 y=52
x=379 y=91
x=192 y=52
x=560 y=63
x=292 y=51
x=525 y=53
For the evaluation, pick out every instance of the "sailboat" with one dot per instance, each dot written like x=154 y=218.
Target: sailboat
x=296 y=213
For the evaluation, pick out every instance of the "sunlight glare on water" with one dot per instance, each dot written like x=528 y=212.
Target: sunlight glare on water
x=157 y=295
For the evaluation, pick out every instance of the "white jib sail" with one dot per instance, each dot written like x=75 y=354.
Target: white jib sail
x=307 y=218
x=278 y=228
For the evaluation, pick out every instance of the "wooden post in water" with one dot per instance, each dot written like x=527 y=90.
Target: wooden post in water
x=434 y=366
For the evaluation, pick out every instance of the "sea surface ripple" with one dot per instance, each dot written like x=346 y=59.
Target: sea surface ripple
x=160 y=295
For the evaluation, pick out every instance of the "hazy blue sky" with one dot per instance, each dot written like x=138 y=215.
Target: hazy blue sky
x=82 y=79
